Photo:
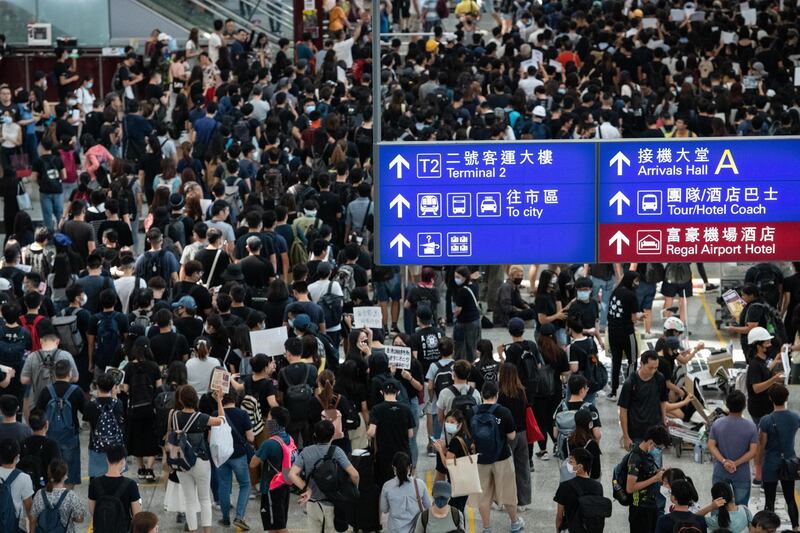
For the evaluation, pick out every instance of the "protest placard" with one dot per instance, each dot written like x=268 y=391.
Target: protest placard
x=399 y=356
x=367 y=317
x=268 y=341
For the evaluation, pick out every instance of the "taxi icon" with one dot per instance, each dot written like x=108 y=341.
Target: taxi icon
x=488 y=205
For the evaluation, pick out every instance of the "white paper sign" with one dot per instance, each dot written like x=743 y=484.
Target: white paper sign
x=269 y=341
x=537 y=56
x=399 y=356
x=650 y=22
x=749 y=16
x=797 y=76
x=727 y=37
x=677 y=15
x=528 y=63
x=367 y=317
x=556 y=65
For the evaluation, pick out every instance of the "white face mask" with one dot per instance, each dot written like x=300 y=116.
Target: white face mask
x=450 y=428
x=459 y=281
x=665 y=492
x=71 y=102
x=84 y=299
x=570 y=468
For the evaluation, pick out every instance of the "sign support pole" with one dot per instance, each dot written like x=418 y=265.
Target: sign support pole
x=376 y=87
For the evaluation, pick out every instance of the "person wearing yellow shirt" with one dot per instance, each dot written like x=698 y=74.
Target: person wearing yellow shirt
x=467 y=7
x=337 y=18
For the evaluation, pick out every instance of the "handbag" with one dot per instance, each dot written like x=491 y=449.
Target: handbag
x=788 y=469
x=532 y=430
x=464 y=477
x=220 y=442
x=23 y=198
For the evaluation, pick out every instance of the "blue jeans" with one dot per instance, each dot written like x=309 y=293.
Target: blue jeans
x=52 y=206
x=412 y=444
x=741 y=489
x=238 y=467
x=71 y=454
x=68 y=189
x=607 y=286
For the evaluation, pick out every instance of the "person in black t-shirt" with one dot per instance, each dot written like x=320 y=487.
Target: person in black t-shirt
x=48 y=172
x=760 y=375
x=185 y=321
x=623 y=312
x=753 y=315
x=580 y=462
x=391 y=424
x=643 y=400
x=112 y=482
x=38 y=450
x=467 y=329
x=166 y=344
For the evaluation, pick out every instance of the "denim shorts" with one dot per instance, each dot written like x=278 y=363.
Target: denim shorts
x=98 y=465
x=645 y=293
x=388 y=290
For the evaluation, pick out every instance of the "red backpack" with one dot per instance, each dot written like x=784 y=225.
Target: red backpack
x=36 y=344
x=70 y=166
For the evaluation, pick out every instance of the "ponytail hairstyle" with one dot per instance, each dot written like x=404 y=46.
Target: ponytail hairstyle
x=56 y=473
x=723 y=490
x=683 y=491
x=325 y=382
x=401 y=463
x=201 y=349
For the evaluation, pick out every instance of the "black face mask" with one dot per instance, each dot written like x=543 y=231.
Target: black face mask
x=517 y=281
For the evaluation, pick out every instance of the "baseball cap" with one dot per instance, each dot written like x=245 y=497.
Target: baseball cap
x=548 y=330
x=431 y=45
x=301 y=322
x=185 y=301
x=163 y=37
x=516 y=326
x=638 y=13
x=442 y=491
x=539 y=111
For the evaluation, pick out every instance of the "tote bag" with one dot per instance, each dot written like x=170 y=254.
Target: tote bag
x=532 y=430
x=23 y=198
x=220 y=442
x=463 y=471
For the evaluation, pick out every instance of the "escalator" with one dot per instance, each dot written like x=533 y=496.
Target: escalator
x=259 y=16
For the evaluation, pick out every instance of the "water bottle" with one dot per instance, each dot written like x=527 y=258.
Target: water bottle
x=730 y=347
x=698 y=454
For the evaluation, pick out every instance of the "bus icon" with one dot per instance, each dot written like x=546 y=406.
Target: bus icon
x=649 y=202
x=459 y=204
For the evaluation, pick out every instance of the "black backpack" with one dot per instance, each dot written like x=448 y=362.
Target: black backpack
x=164 y=403
x=350 y=418
x=443 y=377
x=154 y=265
x=592 y=511
x=678 y=273
x=464 y=402
x=654 y=273
x=331 y=305
x=333 y=480
x=539 y=379
x=299 y=396
x=32 y=463
x=110 y=513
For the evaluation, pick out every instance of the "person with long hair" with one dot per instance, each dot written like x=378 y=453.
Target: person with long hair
x=168 y=177
x=548 y=306
x=59 y=279
x=143 y=440
x=404 y=496
x=359 y=343
x=545 y=405
x=777 y=438
x=196 y=483
x=512 y=396
x=723 y=512
x=201 y=364
x=485 y=367
x=70 y=506
x=349 y=384
x=331 y=406
x=22 y=229
x=457 y=443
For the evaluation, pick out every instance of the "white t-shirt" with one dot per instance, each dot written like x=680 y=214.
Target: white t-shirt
x=198 y=372
x=124 y=288
x=529 y=85
x=344 y=51
x=214 y=44
x=21 y=488
x=317 y=289
x=191 y=48
x=85 y=99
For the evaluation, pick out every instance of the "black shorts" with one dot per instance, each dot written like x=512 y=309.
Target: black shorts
x=676 y=289
x=275 y=508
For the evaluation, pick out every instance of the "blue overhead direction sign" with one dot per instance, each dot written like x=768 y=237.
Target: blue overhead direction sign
x=485 y=203
x=699 y=199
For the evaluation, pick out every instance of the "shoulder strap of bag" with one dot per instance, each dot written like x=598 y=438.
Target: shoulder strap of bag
x=416 y=491
x=214 y=267
x=366 y=215
x=778 y=433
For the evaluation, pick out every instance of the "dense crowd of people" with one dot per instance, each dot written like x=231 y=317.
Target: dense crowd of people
x=220 y=190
